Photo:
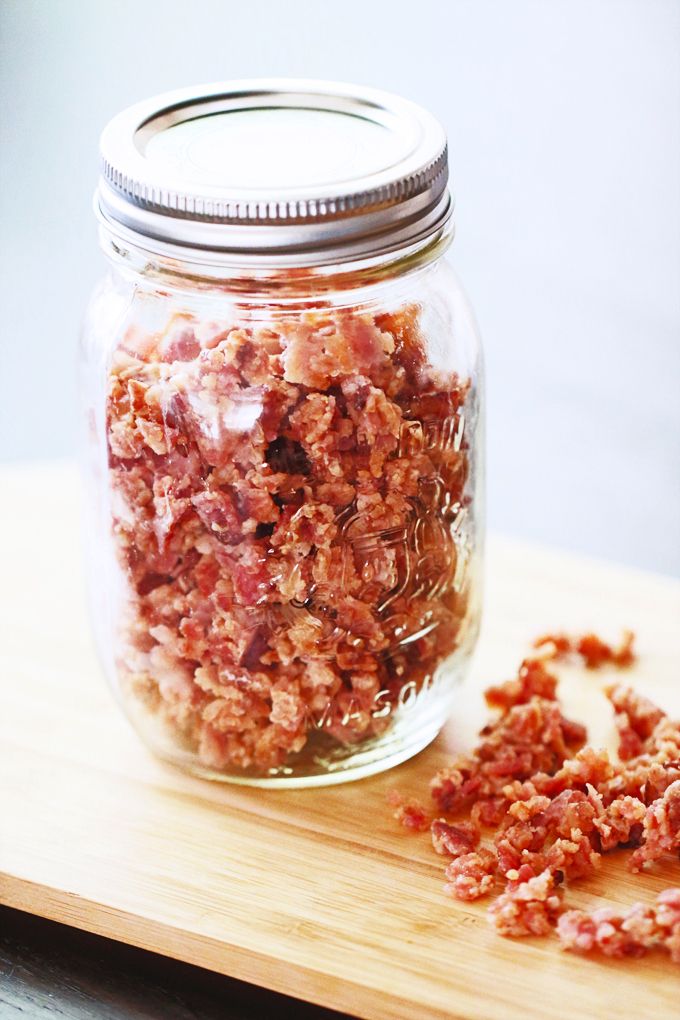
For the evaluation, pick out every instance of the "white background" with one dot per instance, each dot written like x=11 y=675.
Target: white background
x=564 y=124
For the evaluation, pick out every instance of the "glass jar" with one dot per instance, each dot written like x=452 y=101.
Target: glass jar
x=284 y=456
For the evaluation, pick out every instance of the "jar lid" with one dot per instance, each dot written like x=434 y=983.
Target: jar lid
x=318 y=170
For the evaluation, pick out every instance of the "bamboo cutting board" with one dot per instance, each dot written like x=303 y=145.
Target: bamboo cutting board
x=314 y=893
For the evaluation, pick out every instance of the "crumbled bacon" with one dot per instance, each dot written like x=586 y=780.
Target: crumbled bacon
x=572 y=857
x=454 y=840
x=660 y=828
x=488 y=811
x=667 y=917
x=472 y=875
x=557 y=806
x=620 y=824
x=627 y=933
x=529 y=906
x=457 y=785
x=636 y=718
x=286 y=503
x=409 y=812
x=533 y=680
x=607 y=930
x=528 y=738
x=593 y=651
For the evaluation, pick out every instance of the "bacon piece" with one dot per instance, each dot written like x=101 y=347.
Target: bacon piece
x=594 y=652
x=472 y=875
x=636 y=718
x=628 y=933
x=530 y=904
x=621 y=823
x=409 y=812
x=489 y=811
x=533 y=680
x=660 y=828
x=454 y=840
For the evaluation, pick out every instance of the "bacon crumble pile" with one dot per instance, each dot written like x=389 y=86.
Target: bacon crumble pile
x=552 y=806
x=287 y=502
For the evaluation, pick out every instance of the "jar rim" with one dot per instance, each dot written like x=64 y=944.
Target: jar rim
x=172 y=267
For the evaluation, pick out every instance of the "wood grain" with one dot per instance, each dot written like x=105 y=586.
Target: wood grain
x=52 y=972
x=313 y=893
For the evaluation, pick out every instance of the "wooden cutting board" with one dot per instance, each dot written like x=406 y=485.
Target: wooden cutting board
x=315 y=893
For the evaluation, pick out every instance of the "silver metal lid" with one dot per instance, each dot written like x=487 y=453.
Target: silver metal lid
x=318 y=170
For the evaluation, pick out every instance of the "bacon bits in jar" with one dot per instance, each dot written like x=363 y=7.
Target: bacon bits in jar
x=282 y=386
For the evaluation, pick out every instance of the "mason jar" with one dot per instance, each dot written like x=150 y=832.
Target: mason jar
x=282 y=381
